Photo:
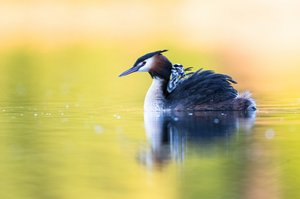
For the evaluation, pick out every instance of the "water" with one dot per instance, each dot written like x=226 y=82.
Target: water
x=70 y=150
x=69 y=130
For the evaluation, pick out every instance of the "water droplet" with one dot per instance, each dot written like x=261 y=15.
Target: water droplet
x=98 y=128
x=270 y=134
x=191 y=114
x=176 y=119
x=117 y=116
x=216 y=121
x=35 y=114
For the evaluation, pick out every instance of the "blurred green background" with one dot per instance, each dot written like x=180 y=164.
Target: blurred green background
x=70 y=128
x=255 y=42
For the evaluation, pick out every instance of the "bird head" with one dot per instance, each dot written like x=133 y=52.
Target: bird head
x=154 y=63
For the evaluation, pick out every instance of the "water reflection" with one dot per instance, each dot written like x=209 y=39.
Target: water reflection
x=171 y=134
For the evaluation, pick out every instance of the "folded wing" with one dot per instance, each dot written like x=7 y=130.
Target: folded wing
x=203 y=87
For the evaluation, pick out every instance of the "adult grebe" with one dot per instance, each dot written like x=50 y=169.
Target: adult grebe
x=173 y=88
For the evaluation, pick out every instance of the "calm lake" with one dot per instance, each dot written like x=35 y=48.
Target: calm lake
x=71 y=131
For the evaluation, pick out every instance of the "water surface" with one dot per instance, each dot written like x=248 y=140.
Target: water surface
x=68 y=131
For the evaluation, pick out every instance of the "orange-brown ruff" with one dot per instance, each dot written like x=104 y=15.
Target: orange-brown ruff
x=201 y=90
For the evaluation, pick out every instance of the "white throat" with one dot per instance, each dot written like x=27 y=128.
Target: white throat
x=155 y=99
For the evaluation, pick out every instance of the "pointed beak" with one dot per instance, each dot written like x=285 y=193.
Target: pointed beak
x=129 y=71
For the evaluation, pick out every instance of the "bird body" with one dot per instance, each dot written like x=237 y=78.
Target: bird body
x=174 y=88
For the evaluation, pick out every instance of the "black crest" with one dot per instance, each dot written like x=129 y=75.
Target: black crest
x=147 y=56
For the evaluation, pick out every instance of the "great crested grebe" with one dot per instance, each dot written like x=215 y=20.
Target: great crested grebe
x=174 y=88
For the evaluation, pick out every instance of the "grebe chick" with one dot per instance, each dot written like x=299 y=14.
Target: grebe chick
x=173 y=88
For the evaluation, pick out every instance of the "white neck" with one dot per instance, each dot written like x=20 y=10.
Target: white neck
x=155 y=99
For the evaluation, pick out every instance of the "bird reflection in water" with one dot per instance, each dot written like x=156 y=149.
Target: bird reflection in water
x=171 y=134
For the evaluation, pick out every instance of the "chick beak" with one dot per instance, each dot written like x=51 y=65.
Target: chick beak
x=129 y=71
